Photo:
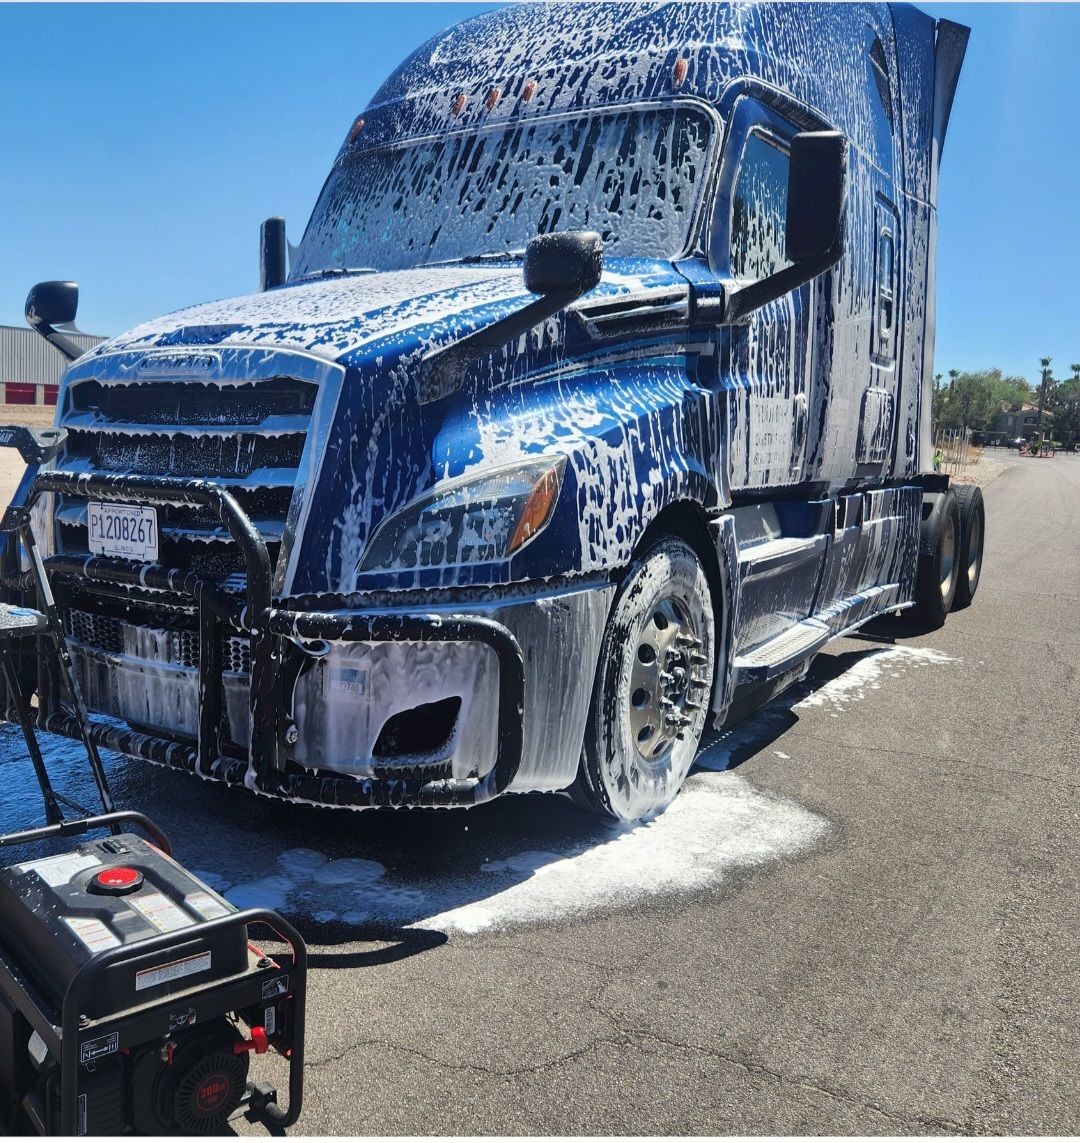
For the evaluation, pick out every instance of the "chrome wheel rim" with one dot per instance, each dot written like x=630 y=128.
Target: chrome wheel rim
x=974 y=551
x=670 y=677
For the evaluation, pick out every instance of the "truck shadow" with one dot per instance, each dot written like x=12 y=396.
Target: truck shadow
x=391 y=884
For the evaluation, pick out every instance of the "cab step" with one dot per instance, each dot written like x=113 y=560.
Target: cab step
x=784 y=651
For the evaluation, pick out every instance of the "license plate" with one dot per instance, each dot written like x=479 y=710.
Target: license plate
x=129 y=531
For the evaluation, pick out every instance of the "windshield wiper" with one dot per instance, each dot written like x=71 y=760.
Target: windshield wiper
x=490 y=256
x=336 y=272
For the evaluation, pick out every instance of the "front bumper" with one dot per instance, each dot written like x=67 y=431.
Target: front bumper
x=301 y=715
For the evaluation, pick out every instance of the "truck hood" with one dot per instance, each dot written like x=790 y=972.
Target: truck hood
x=330 y=317
x=336 y=317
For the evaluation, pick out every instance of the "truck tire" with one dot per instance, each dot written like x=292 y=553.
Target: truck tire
x=653 y=686
x=939 y=550
x=972 y=538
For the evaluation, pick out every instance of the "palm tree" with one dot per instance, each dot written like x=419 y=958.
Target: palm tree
x=1044 y=390
x=1075 y=367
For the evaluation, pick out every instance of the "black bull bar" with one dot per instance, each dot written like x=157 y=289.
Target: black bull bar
x=275 y=660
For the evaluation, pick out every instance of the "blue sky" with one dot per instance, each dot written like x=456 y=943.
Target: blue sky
x=143 y=144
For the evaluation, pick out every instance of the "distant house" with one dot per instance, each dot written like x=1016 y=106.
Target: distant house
x=1020 y=421
x=30 y=368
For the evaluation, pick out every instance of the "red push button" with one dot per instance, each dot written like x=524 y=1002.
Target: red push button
x=118 y=880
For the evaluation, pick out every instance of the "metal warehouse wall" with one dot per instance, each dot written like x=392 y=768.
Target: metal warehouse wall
x=30 y=368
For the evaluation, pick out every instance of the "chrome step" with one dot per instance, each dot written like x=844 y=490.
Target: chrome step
x=791 y=647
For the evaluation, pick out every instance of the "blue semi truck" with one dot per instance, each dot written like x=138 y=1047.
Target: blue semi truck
x=592 y=404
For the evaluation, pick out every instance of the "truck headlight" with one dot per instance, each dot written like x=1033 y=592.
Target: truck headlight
x=478 y=519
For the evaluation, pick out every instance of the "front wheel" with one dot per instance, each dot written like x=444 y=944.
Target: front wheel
x=653 y=686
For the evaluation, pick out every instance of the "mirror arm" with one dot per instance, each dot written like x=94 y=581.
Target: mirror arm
x=443 y=370
x=743 y=300
x=56 y=339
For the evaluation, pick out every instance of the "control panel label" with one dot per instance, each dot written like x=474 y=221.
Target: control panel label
x=174 y=970
x=102 y=1046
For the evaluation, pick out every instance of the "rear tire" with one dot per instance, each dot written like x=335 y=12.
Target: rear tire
x=653 y=686
x=939 y=566
x=972 y=539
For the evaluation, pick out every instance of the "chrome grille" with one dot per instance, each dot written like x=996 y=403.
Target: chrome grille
x=236 y=657
x=104 y=633
x=248 y=436
x=101 y=631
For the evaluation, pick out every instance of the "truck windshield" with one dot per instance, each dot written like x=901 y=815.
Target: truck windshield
x=634 y=175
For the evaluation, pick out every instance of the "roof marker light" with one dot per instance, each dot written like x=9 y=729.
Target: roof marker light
x=492 y=98
x=356 y=128
x=529 y=91
x=459 y=103
x=678 y=72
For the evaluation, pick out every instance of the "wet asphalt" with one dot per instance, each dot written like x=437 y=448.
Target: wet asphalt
x=914 y=970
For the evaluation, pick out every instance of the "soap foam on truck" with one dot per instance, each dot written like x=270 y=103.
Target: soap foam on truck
x=594 y=402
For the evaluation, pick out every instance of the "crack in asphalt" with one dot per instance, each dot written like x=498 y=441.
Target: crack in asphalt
x=627 y=1040
x=499 y=1073
x=805 y=1082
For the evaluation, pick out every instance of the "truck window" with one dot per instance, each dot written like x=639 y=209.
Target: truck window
x=759 y=211
x=632 y=174
x=881 y=101
x=879 y=69
x=887 y=227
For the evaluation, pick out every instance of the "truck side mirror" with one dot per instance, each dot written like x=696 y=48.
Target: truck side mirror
x=817 y=196
x=273 y=269
x=558 y=267
x=815 y=225
x=51 y=304
x=568 y=263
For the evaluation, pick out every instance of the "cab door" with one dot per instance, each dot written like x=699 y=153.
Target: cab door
x=763 y=360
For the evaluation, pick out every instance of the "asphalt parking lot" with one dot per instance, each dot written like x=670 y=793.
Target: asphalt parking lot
x=860 y=917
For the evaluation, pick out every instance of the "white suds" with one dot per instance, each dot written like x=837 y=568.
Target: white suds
x=865 y=675
x=716 y=825
x=719 y=823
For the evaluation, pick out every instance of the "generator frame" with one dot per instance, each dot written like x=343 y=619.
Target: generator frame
x=70 y=1035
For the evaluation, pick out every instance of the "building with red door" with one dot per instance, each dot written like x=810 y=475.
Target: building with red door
x=30 y=367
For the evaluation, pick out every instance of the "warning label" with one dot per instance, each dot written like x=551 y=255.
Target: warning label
x=165 y=915
x=207 y=906
x=93 y=934
x=57 y=871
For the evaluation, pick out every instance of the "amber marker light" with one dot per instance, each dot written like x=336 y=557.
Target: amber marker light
x=492 y=98
x=529 y=91
x=678 y=72
x=459 y=103
x=356 y=128
x=537 y=508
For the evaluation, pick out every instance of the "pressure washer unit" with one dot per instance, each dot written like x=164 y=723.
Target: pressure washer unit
x=131 y=995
